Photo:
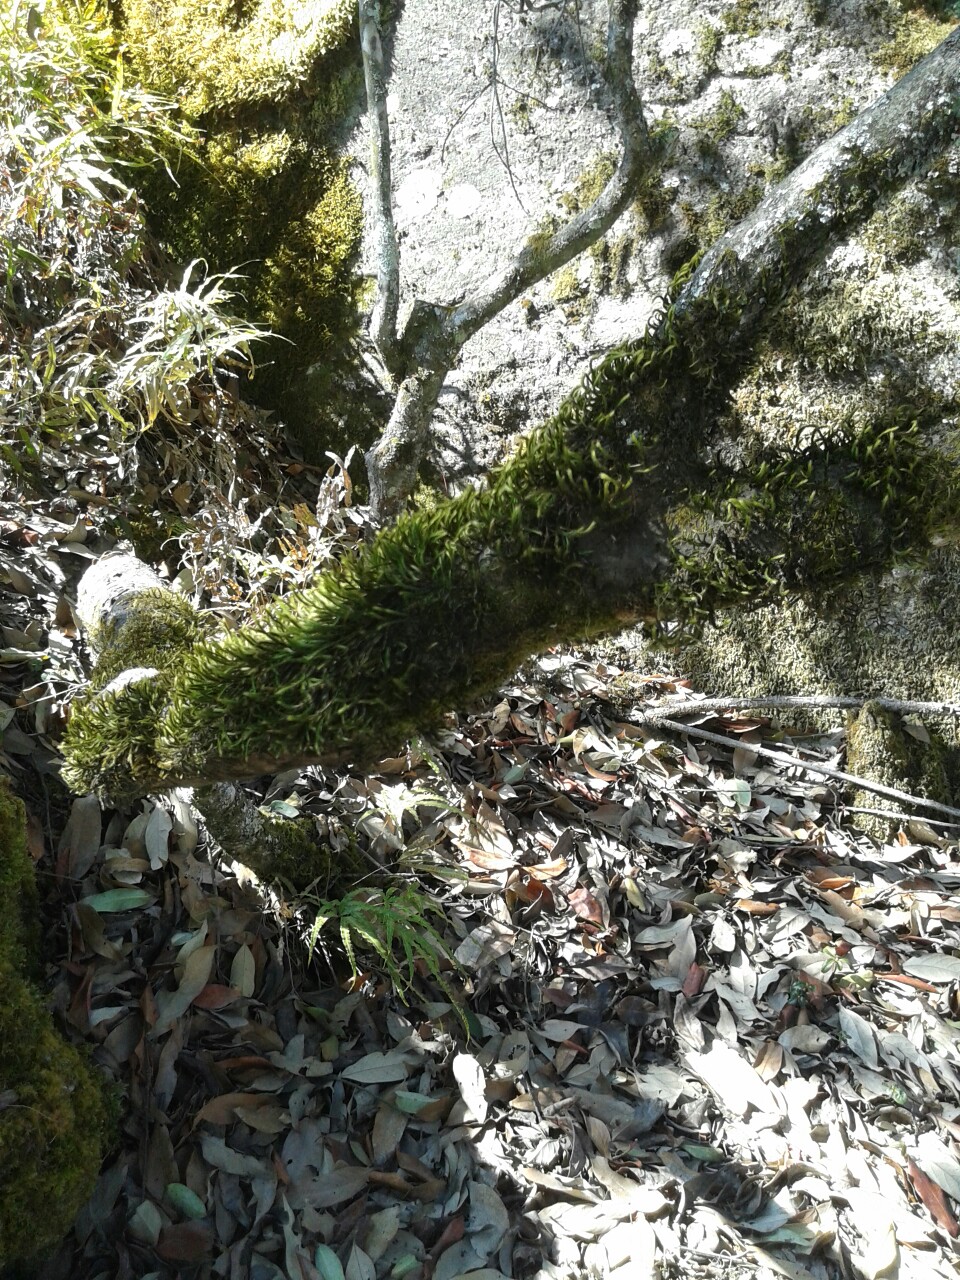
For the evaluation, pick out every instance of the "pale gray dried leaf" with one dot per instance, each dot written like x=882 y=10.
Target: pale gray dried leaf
x=378 y=1068
x=145 y=1223
x=380 y=1231
x=485 y=944
x=388 y=1128
x=243 y=971
x=487 y=1219
x=174 y=1004
x=558 y=1029
x=633 y=1243
x=80 y=842
x=733 y=1080
x=216 y=1152
x=858 y=1036
x=642 y=1199
x=460 y=1259
x=359 y=1265
x=934 y=968
x=329 y=1189
x=805 y=1039
x=472 y=1084
x=156 y=836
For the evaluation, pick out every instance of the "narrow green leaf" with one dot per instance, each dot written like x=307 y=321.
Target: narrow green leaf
x=119 y=900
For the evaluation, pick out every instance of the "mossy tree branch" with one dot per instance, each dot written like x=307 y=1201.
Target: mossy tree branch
x=839 y=184
x=420 y=358
x=630 y=505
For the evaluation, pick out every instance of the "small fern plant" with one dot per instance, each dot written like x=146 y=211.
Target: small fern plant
x=393 y=923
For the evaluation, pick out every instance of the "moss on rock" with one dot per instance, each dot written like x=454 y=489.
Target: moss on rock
x=53 y=1117
x=882 y=749
x=267 y=84
x=915 y=34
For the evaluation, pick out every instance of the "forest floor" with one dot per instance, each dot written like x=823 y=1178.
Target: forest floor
x=693 y=1020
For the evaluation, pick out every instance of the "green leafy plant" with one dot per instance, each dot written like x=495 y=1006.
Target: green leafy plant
x=91 y=342
x=394 y=924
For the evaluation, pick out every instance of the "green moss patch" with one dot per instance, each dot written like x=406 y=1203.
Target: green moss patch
x=917 y=33
x=114 y=732
x=53 y=1120
x=267 y=84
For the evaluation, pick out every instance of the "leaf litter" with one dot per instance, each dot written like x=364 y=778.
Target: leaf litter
x=690 y=1019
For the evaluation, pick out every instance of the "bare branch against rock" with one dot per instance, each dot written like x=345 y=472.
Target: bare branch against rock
x=434 y=334
x=837 y=186
x=792 y=702
x=613 y=512
x=383 y=325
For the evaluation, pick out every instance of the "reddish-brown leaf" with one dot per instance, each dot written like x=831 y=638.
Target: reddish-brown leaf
x=693 y=982
x=451 y=1233
x=935 y=1200
x=585 y=906
x=186 y=1242
x=215 y=996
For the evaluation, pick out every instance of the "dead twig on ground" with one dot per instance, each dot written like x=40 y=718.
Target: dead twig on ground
x=813 y=702
x=784 y=758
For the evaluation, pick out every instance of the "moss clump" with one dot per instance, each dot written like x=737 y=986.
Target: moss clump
x=722 y=210
x=792 y=518
x=113 y=731
x=880 y=748
x=589 y=184
x=708 y=43
x=158 y=628
x=722 y=121
x=267 y=84
x=745 y=17
x=53 y=1121
x=916 y=34
x=223 y=55
x=293 y=853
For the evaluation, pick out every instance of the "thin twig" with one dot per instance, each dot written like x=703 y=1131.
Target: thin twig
x=782 y=757
x=813 y=701
x=638 y=157
x=383 y=324
x=894 y=816
x=434 y=335
x=496 y=107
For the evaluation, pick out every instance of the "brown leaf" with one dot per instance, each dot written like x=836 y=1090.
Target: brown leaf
x=585 y=905
x=216 y=996
x=186 y=1242
x=222 y=1109
x=451 y=1233
x=548 y=870
x=935 y=1200
x=693 y=983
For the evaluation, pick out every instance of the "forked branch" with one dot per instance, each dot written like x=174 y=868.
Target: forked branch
x=434 y=334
